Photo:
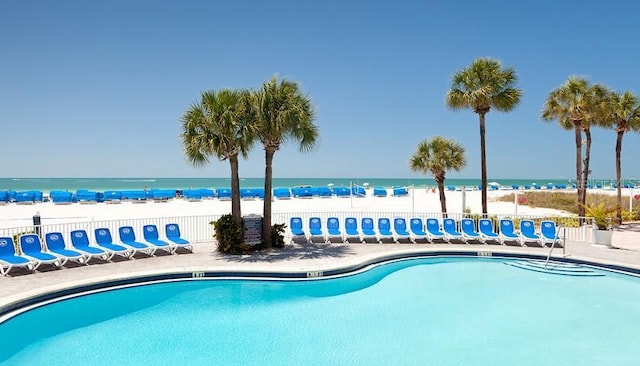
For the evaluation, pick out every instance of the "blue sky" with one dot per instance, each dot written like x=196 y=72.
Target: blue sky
x=96 y=88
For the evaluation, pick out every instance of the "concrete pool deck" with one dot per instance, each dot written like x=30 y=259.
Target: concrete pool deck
x=292 y=259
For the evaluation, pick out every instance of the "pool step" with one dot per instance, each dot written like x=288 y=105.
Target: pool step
x=558 y=268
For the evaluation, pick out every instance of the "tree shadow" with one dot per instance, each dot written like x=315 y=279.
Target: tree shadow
x=304 y=251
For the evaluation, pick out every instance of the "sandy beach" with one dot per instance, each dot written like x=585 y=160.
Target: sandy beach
x=418 y=201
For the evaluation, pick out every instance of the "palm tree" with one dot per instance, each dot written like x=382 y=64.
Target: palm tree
x=219 y=126
x=480 y=87
x=624 y=116
x=575 y=105
x=597 y=97
x=437 y=156
x=283 y=113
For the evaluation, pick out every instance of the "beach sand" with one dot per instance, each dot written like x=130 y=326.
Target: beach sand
x=418 y=201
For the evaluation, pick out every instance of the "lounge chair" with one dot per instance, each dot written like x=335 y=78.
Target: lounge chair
x=342 y=192
x=85 y=196
x=384 y=231
x=400 y=192
x=112 y=197
x=400 y=229
x=61 y=197
x=302 y=192
x=224 y=194
x=315 y=230
x=528 y=233
x=433 y=231
x=282 y=193
x=297 y=233
x=450 y=228
x=9 y=259
x=4 y=197
x=150 y=235
x=508 y=234
x=322 y=192
x=80 y=241
x=417 y=230
x=31 y=247
x=351 y=232
x=172 y=231
x=128 y=238
x=358 y=191
x=55 y=244
x=487 y=232
x=379 y=192
x=333 y=230
x=468 y=227
x=369 y=234
x=104 y=240
x=549 y=234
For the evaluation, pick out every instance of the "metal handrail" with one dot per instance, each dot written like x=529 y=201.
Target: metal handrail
x=553 y=244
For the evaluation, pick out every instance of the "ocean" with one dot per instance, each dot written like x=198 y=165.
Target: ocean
x=105 y=184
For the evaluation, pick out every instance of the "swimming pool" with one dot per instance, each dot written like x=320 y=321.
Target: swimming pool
x=436 y=311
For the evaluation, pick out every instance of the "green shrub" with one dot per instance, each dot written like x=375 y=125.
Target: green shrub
x=277 y=235
x=228 y=234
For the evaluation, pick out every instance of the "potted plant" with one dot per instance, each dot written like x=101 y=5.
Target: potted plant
x=602 y=216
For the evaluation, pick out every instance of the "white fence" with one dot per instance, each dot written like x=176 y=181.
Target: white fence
x=198 y=229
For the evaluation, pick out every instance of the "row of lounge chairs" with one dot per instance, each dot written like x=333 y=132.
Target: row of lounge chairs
x=33 y=252
x=434 y=231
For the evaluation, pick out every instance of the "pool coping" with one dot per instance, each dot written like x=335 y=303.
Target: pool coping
x=11 y=306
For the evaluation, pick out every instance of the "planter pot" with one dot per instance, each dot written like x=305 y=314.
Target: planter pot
x=602 y=238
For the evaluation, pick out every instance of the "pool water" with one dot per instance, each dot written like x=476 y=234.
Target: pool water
x=433 y=311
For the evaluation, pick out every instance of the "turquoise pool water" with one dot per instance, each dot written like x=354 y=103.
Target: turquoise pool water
x=435 y=311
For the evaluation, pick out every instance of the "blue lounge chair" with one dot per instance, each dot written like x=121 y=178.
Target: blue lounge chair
x=282 y=193
x=358 y=191
x=434 y=232
x=322 y=192
x=342 y=192
x=368 y=232
x=379 y=192
x=528 y=233
x=351 y=232
x=297 y=233
x=61 y=197
x=384 y=231
x=104 y=240
x=400 y=229
x=150 y=235
x=400 y=192
x=4 y=197
x=468 y=227
x=449 y=226
x=172 y=232
x=112 y=196
x=417 y=230
x=55 y=244
x=31 y=247
x=333 y=230
x=128 y=238
x=9 y=259
x=507 y=232
x=315 y=230
x=192 y=195
x=549 y=234
x=247 y=194
x=85 y=196
x=224 y=194
x=80 y=241
x=487 y=231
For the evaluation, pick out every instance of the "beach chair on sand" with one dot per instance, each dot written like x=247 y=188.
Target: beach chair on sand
x=55 y=244
x=80 y=242
x=104 y=240
x=468 y=227
x=433 y=231
x=368 y=232
x=417 y=230
x=528 y=234
x=507 y=234
x=128 y=238
x=384 y=231
x=487 y=232
x=9 y=259
x=334 y=235
x=400 y=229
x=351 y=233
x=315 y=230
x=172 y=231
x=150 y=235
x=451 y=230
x=549 y=234
x=31 y=247
x=297 y=234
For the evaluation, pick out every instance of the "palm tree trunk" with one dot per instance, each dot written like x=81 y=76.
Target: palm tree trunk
x=483 y=162
x=443 y=199
x=620 y=134
x=587 y=157
x=266 y=211
x=579 y=182
x=235 y=189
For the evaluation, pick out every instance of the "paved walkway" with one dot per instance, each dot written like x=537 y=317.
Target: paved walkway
x=293 y=258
